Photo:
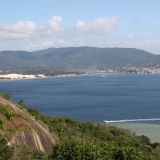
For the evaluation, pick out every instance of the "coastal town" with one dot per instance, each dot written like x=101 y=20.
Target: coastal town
x=131 y=69
x=128 y=69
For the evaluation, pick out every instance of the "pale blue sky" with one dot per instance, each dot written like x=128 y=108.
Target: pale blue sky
x=36 y=24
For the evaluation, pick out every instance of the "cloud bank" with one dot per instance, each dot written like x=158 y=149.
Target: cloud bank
x=21 y=29
x=98 y=32
x=98 y=26
x=25 y=29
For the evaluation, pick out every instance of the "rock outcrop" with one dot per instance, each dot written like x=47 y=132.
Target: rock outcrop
x=22 y=129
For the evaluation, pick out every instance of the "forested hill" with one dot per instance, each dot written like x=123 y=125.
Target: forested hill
x=76 y=59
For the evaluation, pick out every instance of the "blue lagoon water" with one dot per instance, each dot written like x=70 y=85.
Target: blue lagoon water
x=91 y=98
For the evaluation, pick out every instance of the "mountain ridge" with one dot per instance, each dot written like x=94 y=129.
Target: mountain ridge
x=76 y=58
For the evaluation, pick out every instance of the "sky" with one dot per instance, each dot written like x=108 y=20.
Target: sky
x=39 y=24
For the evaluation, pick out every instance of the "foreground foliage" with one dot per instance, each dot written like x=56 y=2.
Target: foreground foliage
x=91 y=141
x=81 y=141
x=6 y=96
x=5 y=151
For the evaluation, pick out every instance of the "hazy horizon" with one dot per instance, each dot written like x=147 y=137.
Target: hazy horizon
x=77 y=47
x=34 y=25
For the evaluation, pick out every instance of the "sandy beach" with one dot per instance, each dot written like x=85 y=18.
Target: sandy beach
x=15 y=76
x=150 y=130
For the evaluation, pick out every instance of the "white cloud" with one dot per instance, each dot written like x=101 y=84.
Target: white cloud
x=21 y=29
x=98 y=26
x=62 y=36
x=54 y=25
x=82 y=26
x=25 y=29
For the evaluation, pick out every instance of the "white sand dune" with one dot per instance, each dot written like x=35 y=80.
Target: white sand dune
x=20 y=76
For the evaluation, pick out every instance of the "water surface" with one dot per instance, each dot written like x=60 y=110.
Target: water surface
x=91 y=98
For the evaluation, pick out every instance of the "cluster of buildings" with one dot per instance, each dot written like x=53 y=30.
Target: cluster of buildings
x=153 y=70
x=129 y=69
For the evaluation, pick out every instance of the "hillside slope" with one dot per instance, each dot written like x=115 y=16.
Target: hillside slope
x=76 y=59
x=22 y=129
x=67 y=139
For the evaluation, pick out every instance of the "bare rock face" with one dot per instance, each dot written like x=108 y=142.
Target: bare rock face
x=23 y=129
x=39 y=141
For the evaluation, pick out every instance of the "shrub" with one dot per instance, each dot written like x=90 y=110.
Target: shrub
x=5 y=112
x=5 y=151
x=74 y=150
x=6 y=96
x=2 y=123
x=23 y=152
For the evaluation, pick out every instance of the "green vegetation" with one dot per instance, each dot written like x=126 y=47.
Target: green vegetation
x=2 y=124
x=96 y=150
x=26 y=153
x=5 y=151
x=91 y=141
x=4 y=111
x=49 y=72
x=82 y=141
x=75 y=59
x=19 y=152
x=6 y=96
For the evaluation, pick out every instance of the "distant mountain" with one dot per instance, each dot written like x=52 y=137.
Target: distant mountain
x=76 y=59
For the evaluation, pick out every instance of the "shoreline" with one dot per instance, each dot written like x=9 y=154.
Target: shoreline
x=31 y=77
x=147 y=129
x=8 y=77
x=15 y=76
